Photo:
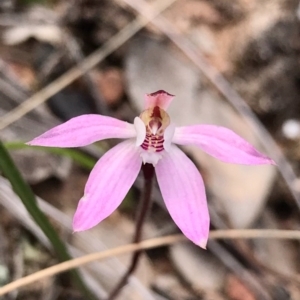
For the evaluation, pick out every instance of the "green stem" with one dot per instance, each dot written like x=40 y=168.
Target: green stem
x=23 y=190
x=81 y=158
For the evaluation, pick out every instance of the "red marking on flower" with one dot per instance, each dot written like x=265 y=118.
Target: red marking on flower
x=160 y=92
x=153 y=142
x=155 y=125
x=156 y=113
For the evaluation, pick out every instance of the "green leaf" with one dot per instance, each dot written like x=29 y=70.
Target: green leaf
x=79 y=157
x=31 y=2
x=23 y=190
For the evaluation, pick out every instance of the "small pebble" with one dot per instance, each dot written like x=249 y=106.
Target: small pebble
x=3 y=275
x=291 y=129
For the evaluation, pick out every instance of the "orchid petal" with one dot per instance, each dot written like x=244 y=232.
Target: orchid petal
x=221 y=143
x=183 y=191
x=84 y=130
x=108 y=184
x=168 y=136
x=150 y=157
x=140 y=129
x=160 y=98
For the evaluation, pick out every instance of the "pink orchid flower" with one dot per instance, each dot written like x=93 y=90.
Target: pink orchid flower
x=151 y=139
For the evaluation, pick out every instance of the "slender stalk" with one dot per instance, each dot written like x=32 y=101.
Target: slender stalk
x=148 y=172
x=231 y=234
x=82 y=159
x=23 y=190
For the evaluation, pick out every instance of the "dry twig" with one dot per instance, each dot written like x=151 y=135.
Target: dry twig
x=87 y=64
x=148 y=244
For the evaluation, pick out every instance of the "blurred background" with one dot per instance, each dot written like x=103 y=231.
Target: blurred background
x=231 y=63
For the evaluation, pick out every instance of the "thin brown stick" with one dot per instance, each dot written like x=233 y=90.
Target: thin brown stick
x=74 y=263
x=148 y=244
x=88 y=63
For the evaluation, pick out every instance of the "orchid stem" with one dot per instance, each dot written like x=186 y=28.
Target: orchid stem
x=148 y=172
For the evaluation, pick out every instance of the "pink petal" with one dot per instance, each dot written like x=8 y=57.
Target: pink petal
x=183 y=191
x=84 y=130
x=108 y=184
x=221 y=143
x=140 y=129
x=159 y=98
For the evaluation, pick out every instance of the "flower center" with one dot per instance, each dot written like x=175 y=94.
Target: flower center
x=156 y=121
